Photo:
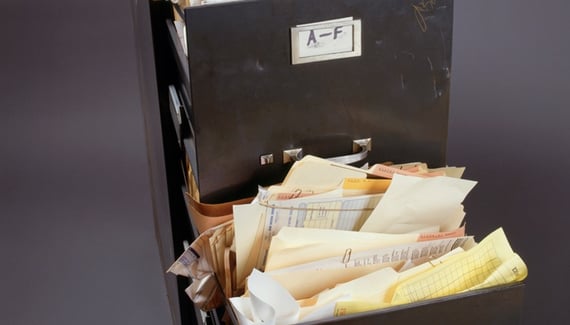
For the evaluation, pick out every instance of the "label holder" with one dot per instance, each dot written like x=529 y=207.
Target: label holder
x=327 y=50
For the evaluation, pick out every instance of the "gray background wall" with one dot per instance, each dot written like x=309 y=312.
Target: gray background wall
x=509 y=116
x=77 y=240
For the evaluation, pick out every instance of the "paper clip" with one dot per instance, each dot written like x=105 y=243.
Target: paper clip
x=346 y=257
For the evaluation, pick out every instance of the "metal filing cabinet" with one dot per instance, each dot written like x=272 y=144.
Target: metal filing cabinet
x=239 y=106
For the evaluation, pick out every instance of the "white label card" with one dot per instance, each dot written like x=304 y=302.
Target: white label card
x=327 y=40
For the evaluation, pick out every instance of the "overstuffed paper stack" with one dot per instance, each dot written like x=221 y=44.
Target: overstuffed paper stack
x=333 y=240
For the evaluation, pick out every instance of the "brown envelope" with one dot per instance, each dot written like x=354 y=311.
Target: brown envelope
x=205 y=216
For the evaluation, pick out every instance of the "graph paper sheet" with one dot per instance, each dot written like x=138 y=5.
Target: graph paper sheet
x=491 y=262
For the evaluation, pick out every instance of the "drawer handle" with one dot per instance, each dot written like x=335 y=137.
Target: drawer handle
x=360 y=149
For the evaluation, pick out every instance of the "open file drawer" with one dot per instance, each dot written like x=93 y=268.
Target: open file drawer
x=498 y=305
